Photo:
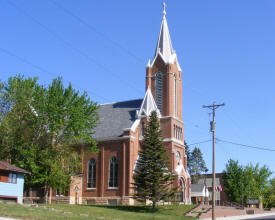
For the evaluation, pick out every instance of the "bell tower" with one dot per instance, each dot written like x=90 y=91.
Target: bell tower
x=164 y=75
x=164 y=80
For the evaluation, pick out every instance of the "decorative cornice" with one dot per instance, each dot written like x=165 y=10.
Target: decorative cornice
x=173 y=140
x=164 y=117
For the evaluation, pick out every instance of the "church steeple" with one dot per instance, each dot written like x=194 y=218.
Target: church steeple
x=164 y=44
x=163 y=74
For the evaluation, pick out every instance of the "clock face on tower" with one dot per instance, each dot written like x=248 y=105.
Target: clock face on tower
x=178 y=157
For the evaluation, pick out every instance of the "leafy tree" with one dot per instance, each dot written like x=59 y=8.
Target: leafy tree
x=259 y=180
x=153 y=178
x=41 y=126
x=196 y=164
x=269 y=195
x=246 y=182
x=233 y=178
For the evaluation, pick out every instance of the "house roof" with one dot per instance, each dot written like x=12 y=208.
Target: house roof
x=115 y=117
x=208 y=181
x=8 y=167
x=199 y=190
x=195 y=188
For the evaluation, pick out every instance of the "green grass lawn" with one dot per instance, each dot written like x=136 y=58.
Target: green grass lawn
x=94 y=212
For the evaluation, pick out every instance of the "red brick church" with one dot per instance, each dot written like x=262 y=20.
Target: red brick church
x=108 y=176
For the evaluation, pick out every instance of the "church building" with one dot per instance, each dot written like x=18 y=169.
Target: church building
x=107 y=177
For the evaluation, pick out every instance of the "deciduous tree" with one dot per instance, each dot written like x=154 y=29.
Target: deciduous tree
x=243 y=182
x=41 y=126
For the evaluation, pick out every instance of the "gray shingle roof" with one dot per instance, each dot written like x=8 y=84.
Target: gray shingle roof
x=195 y=188
x=8 y=167
x=115 y=117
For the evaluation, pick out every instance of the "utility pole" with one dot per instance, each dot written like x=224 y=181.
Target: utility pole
x=213 y=107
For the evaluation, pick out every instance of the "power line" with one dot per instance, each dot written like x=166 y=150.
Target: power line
x=93 y=28
x=70 y=45
x=245 y=145
x=201 y=142
x=23 y=60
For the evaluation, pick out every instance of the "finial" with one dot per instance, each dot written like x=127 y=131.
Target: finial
x=164 y=9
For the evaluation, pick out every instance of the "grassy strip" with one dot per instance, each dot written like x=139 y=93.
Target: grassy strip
x=58 y=211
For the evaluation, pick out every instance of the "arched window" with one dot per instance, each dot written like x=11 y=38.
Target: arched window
x=142 y=129
x=159 y=91
x=113 y=175
x=91 y=173
x=136 y=164
x=175 y=96
x=178 y=157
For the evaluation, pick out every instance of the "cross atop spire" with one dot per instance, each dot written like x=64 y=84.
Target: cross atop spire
x=164 y=9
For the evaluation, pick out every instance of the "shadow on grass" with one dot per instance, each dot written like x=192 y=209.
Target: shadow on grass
x=141 y=209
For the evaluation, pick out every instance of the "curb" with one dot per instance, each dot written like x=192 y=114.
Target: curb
x=237 y=217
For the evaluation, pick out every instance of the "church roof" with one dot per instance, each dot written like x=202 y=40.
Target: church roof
x=115 y=117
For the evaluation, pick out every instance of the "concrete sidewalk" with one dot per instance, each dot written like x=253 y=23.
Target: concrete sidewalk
x=223 y=212
x=241 y=216
x=3 y=218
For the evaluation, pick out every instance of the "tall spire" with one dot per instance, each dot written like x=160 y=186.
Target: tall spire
x=164 y=45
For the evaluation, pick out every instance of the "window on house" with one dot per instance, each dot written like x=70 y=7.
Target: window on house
x=113 y=172
x=92 y=173
x=12 y=178
x=159 y=91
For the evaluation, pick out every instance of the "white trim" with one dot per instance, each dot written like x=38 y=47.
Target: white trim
x=90 y=188
x=135 y=125
x=108 y=103
x=173 y=140
x=112 y=188
x=148 y=105
x=164 y=117
x=148 y=64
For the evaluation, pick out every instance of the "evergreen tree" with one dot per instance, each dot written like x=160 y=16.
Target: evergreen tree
x=188 y=154
x=153 y=177
x=196 y=164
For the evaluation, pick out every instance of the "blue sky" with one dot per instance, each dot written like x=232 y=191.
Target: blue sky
x=225 y=48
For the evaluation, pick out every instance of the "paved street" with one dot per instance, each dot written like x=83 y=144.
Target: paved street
x=264 y=218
